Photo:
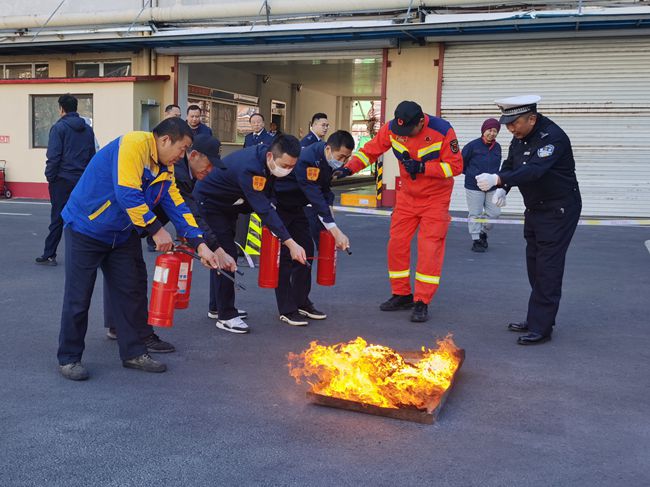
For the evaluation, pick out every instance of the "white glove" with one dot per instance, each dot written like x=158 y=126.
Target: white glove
x=486 y=181
x=499 y=197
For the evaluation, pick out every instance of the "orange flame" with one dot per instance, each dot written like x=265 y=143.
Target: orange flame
x=374 y=374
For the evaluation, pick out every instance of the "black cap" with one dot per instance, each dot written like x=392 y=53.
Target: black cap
x=210 y=147
x=407 y=115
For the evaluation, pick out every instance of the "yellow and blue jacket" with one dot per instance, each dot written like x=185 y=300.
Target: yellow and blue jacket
x=118 y=190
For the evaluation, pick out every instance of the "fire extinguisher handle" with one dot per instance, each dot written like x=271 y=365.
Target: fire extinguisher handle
x=227 y=276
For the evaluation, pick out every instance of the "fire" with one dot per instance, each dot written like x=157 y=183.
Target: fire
x=375 y=374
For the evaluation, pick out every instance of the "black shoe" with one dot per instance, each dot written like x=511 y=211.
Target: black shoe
x=51 y=261
x=518 y=327
x=533 y=339
x=483 y=239
x=420 y=312
x=477 y=246
x=111 y=334
x=294 y=318
x=156 y=345
x=144 y=362
x=74 y=371
x=311 y=312
x=397 y=302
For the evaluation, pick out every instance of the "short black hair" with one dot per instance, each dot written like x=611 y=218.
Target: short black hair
x=175 y=127
x=68 y=102
x=193 y=107
x=341 y=138
x=168 y=108
x=256 y=115
x=318 y=116
x=285 y=144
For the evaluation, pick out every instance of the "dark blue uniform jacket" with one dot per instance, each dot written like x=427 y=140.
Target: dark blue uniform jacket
x=262 y=138
x=70 y=147
x=202 y=129
x=308 y=183
x=542 y=166
x=309 y=139
x=245 y=185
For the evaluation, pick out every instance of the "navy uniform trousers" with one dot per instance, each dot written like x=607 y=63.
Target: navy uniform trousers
x=548 y=234
x=222 y=291
x=125 y=274
x=60 y=190
x=294 y=282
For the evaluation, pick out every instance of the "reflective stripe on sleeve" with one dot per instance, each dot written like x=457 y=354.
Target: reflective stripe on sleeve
x=446 y=168
x=429 y=149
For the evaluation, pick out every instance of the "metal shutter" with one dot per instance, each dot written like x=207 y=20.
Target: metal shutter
x=597 y=90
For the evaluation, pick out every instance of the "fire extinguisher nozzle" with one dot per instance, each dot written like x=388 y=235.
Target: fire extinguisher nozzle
x=240 y=272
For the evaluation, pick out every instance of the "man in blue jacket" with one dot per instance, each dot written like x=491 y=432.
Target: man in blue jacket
x=479 y=156
x=246 y=185
x=259 y=135
x=108 y=210
x=69 y=149
x=309 y=183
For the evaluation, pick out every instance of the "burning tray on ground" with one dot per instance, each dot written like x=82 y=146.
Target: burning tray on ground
x=408 y=413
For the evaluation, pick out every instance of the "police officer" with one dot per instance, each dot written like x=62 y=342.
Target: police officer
x=540 y=162
x=194 y=113
x=317 y=130
x=246 y=185
x=309 y=183
x=109 y=207
x=259 y=135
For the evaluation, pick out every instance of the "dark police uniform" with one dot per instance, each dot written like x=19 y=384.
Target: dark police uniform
x=256 y=139
x=309 y=139
x=201 y=129
x=308 y=183
x=543 y=168
x=108 y=209
x=245 y=185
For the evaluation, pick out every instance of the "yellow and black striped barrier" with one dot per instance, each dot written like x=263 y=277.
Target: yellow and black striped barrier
x=380 y=180
x=254 y=235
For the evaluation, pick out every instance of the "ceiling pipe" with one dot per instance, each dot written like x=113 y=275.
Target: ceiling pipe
x=225 y=9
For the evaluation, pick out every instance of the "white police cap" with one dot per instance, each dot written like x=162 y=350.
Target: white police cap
x=515 y=106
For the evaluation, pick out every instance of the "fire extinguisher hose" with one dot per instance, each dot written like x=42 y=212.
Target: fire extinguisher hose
x=227 y=276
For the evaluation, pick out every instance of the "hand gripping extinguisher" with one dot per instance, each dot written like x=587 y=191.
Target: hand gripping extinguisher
x=269 y=260
x=184 y=276
x=164 y=290
x=326 y=270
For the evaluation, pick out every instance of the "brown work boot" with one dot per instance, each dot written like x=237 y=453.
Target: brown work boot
x=144 y=362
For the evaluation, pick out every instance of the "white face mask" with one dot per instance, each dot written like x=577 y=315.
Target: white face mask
x=334 y=164
x=280 y=172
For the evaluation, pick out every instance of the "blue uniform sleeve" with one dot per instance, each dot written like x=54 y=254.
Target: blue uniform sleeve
x=544 y=157
x=54 y=154
x=312 y=189
x=467 y=155
x=262 y=205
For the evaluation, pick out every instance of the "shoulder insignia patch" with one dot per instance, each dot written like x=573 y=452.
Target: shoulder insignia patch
x=313 y=173
x=258 y=183
x=454 y=146
x=545 y=151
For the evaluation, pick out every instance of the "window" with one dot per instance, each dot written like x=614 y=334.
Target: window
x=45 y=113
x=99 y=69
x=24 y=71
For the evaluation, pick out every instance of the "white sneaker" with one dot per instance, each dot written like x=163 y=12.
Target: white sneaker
x=233 y=325
x=214 y=315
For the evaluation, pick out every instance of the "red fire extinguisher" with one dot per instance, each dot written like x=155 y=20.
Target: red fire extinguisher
x=269 y=260
x=164 y=290
x=326 y=272
x=184 y=277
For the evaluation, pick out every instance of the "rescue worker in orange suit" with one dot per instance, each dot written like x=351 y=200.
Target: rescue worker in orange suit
x=429 y=158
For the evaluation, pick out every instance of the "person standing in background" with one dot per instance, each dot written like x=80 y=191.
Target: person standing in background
x=70 y=147
x=194 y=113
x=479 y=156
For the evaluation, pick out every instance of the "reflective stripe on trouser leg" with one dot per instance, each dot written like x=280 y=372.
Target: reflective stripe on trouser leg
x=402 y=228
x=431 y=254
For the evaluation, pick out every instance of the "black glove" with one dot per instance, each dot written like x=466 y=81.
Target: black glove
x=413 y=167
x=341 y=173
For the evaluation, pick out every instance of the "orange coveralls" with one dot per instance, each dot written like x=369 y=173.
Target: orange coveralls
x=421 y=202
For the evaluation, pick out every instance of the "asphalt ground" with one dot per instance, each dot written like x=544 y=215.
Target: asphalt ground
x=573 y=411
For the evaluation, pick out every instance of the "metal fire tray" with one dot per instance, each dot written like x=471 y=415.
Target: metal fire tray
x=408 y=413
